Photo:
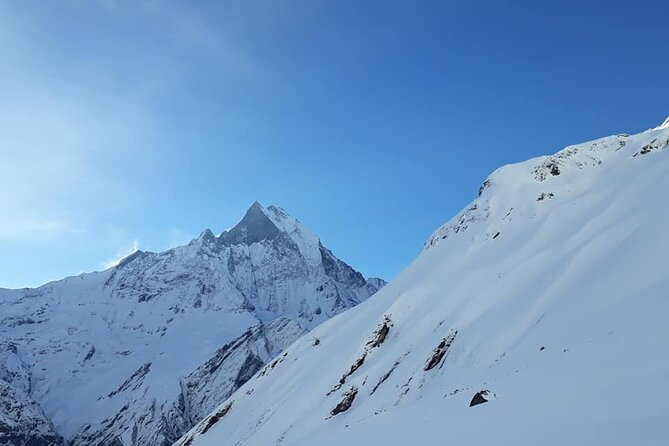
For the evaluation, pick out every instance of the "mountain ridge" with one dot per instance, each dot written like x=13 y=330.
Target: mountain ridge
x=536 y=312
x=109 y=352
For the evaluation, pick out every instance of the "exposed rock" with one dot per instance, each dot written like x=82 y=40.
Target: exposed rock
x=379 y=335
x=214 y=418
x=376 y=339
x=655 y=145
x=346 y=402
x=484 y=186
x=440 y=351
x=22 y=421
x=385 y=377
x=481 y=397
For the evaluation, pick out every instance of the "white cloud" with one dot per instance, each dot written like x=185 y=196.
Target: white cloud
x=121 y=254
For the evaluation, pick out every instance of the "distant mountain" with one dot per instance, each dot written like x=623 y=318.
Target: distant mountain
x=137 y=354
x=537 y=315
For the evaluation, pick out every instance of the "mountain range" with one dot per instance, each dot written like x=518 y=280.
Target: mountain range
x=141 y=352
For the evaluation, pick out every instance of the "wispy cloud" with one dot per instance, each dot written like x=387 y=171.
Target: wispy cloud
x=57 y=142
x=31 y=229
x=92 y=95
x=121 y=254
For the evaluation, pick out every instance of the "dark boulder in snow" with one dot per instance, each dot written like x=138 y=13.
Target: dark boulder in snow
x=346 y=402
x=481 y=397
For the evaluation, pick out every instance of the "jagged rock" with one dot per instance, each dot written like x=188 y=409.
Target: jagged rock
x=655 y=145
x=215 y=417
x=440 y=351
x=376 y=339
x=481 y=397
x=379 y=335
x=22 y=421
x=346 y=402
x=484 y=186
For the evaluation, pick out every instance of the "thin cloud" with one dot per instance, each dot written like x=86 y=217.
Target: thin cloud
x=121 y=254
x=30 y=229
x=58 y=140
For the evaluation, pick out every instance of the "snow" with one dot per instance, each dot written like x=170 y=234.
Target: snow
x=664 y=125
x=155 y=318
x=306 y=240
x=552 y=286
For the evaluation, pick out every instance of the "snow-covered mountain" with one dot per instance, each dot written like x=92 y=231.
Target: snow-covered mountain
x=139 y=353
x=537 y=315
x=22 y=421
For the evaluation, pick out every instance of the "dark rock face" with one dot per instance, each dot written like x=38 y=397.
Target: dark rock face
x=554 y=169
x=480 y=398
x=440 y=351
x=251 y=365
x=254 y=227
x=346 y=402
x=339 y=270
x=22 y=422
x=655 y=145
x=484 y=186
x=380 y=334
x=215 y=418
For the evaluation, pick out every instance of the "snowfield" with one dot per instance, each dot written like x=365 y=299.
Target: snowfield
x=543 y=305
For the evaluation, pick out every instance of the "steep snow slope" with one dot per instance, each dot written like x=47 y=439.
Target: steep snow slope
x=545 y=299
x=137 y=354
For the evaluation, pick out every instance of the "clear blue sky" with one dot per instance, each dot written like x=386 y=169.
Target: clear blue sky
x=130 y=123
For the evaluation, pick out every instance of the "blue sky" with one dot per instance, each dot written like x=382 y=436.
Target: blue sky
x=128 y=124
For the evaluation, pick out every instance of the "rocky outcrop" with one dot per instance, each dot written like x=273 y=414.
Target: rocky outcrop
x=22 y=421
x=481 y=397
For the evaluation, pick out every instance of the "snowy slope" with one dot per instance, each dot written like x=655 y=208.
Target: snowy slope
x=123 y=356
x=543 y=305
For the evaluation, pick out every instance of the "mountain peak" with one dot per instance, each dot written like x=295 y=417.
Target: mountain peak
x=207 y=236
x=664 y=125
x=253 y=227
x=256 y=206
x=254 y=213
